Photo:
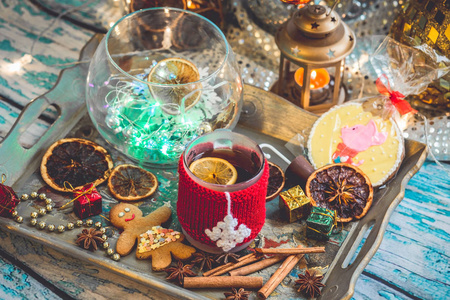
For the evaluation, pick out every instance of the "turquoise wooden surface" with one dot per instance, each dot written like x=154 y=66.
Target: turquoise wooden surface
x=15 y=284
x=414 y=254
x=20 y=81
x=411 y=263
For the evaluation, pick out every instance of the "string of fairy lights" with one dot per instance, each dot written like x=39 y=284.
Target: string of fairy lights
x=155 y=129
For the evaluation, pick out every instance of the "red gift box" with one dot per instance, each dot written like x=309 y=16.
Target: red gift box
x=8 y=200
x=88 y=202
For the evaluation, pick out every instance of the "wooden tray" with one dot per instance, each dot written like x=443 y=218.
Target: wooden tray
x=266 y=118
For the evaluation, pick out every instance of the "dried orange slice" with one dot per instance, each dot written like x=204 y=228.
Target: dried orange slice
x=130 y=183
x=77 y=162
x=175 y=71
x=214 y=170
x=276 y=181
x=343 y=188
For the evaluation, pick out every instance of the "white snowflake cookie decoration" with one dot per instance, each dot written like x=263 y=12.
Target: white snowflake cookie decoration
x=225 y=233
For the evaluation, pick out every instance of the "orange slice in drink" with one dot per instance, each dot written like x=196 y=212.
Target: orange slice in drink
x=214 y=170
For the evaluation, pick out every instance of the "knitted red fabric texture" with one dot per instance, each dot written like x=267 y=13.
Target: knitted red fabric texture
x=199 y=208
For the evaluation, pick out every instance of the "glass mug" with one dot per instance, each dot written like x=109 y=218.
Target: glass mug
x=223 y=218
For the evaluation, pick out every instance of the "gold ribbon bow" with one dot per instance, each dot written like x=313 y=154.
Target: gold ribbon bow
x=81 y=193
x=295 y=198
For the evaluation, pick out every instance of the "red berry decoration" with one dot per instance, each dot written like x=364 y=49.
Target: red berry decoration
x=8 y=199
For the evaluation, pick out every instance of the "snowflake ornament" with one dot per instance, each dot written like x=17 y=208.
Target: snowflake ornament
x=203 y=72
x=225 y=233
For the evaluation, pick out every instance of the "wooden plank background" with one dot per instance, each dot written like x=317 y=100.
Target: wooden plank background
x=411 y=263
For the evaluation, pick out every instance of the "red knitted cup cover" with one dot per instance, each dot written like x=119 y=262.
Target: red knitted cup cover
x=200 y=208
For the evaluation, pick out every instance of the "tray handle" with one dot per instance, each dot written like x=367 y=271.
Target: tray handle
x=340 y=282
x=67 y=96
x=341 y=279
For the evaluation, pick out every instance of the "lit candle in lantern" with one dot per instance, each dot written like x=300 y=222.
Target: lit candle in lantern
x=192 y=5
x=319 y=78
x=318 y=84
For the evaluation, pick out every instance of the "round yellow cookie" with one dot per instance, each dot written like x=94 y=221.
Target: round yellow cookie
x=348 y=134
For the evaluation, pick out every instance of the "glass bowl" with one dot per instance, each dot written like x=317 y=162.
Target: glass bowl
x=160 y=78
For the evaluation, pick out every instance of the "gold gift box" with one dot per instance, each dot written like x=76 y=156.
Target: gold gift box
x=294 y=204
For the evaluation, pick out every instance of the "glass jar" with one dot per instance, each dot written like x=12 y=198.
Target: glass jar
x=159 y=78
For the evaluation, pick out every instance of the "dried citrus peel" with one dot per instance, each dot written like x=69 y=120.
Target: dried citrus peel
x=131 y=183
x=343 y=188
x=175 y=71
x=276 y=181
x=71 y=163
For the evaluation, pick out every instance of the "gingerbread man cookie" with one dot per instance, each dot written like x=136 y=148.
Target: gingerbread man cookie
x=154 y=241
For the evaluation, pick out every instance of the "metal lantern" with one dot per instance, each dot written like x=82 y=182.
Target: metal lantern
x=314 y=38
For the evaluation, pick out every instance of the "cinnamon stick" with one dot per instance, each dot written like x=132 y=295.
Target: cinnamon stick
x=289 y=263
x=246 y=282
x=290 y=251
x=212 y=271
x=239 y=264
x=245 y=260
x=257 y=266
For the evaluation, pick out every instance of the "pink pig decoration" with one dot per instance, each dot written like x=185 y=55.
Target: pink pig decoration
x=357 y=139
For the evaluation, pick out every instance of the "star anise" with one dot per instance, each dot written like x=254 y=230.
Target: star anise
x=341 y=191
x=227 y=257
x=237 y=295
x=179 y=272
x=310 y=284
x=89 y=238
x=203 y=259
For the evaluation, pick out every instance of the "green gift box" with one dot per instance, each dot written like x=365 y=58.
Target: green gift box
x=294 y=204
x=320 y=223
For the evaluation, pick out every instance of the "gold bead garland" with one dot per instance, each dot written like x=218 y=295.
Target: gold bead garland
x=61 y=228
